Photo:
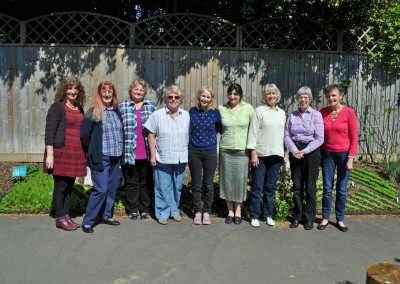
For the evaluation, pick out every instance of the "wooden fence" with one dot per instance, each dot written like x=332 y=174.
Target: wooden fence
x=30 y=72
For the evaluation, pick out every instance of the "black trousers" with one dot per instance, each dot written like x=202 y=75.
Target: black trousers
x=202 y=165
x=304 y=174
x=138 y=186
x=62 y=194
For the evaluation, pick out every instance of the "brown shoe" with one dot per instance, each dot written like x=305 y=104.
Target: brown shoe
x=72 y=221
x=62 y=223
x=177 y=218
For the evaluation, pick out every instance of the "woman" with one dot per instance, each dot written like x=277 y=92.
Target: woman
x=64 y=157
x=266 y=143
x=205 y=122
x=338 y=152
x=102 y=137
x=168 y=142
x=136 y=168
x=234 y=159
x=304 y=134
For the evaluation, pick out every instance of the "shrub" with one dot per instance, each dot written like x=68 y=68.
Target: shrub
x=32 y=193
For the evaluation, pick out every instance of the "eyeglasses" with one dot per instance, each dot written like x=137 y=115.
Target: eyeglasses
x=174 y=97
x=103 y=92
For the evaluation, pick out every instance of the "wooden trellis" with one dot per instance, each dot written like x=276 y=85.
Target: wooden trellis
x=181 y=30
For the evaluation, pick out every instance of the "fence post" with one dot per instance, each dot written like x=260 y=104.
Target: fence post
x=132 y=35
x=340 y=41
x=239 y=37
x=22 y=33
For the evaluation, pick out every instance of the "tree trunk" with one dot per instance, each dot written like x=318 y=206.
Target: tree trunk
x=383 y=273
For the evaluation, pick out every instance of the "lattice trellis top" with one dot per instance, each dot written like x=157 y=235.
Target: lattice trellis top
x=179 y=30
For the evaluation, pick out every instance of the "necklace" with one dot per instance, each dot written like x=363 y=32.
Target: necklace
x=71 y=106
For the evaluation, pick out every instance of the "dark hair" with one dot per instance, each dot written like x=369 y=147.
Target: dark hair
x=65 y=83
x=332 y=87
x=235 y=87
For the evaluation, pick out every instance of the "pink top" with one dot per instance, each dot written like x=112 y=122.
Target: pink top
x=141 y=151
x=341 y=134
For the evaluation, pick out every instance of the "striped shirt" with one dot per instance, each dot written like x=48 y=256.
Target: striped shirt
x=112 y=133
x=128 y=112
x=171 y=135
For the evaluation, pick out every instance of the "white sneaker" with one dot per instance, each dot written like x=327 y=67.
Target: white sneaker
x=255 y=223
x=270 y=222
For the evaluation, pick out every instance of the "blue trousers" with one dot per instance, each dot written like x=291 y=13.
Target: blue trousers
x=263 y=177
x=105 y=183
x=168 y=187
x=330 y=162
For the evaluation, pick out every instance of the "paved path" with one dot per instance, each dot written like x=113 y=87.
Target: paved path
x=32 y=250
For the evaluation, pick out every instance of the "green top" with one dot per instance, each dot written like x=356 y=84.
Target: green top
x=235 y=126
x=267 y=129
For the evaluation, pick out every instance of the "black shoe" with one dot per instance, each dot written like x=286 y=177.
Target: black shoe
x=132 y=216
x=144 y=216
x=344 y=229
x=237 y=220
x=322 y=227
x=294 y=224
x=110 y=221
x=229 y=220
x=88 y=229
x=308 y=225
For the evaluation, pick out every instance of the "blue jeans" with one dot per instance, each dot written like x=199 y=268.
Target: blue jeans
x=264 y=176
x=105 y=184
x=330 y=162
x=168 y=187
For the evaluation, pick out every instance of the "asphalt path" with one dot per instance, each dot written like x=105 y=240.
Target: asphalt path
x=33 y=251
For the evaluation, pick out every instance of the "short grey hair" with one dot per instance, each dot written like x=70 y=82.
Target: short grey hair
x=272 y=87
x=304 y=91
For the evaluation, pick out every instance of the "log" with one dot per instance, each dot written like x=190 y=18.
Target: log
x=383 y=273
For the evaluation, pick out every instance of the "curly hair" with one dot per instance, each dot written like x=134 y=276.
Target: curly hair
x=65 y=83
x=138 y=81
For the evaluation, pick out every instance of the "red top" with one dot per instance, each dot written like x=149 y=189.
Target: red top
x=341 y=134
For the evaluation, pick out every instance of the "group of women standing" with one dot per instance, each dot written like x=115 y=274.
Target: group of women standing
x=149 y=143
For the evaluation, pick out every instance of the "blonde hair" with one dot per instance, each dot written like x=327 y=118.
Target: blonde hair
x=200 y=92
x=138 y=81
x=173 y=89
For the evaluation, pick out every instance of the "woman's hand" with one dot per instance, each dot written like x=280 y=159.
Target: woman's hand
x=254 y=159
x=299 y=154
x=349 y=164
x=153 y=161
x=49 y=162
x=49 y=157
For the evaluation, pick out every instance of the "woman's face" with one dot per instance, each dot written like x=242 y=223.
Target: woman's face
x=333 y=98
x=271 y=98
x=173 y=102
x=72 y=93
x=137 y=94
x=205 y=99
x=303 y=102
x=233 y=98
x=107 y=96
